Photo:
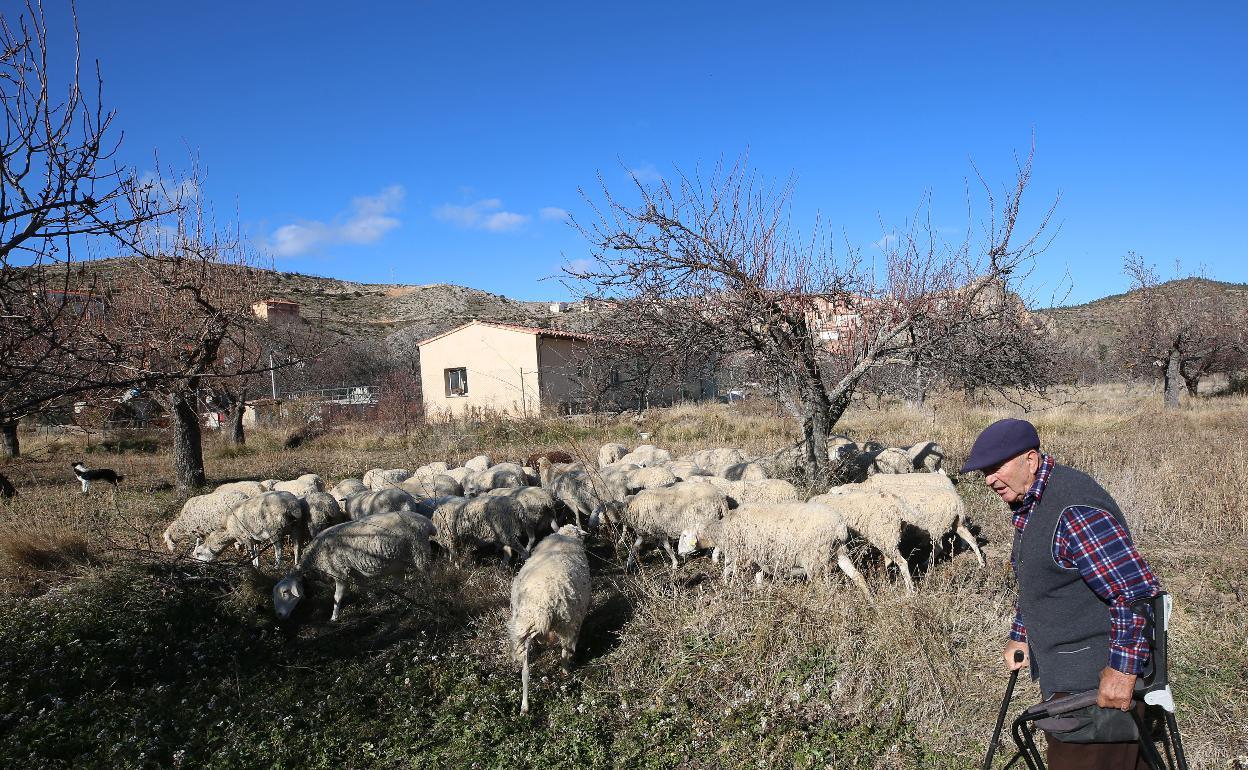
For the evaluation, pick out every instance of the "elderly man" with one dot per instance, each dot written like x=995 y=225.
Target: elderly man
x=1078 y=573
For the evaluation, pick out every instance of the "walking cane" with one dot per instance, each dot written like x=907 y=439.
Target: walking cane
x=1005 y=706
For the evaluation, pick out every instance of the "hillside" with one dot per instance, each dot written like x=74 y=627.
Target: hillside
x=1097 y=321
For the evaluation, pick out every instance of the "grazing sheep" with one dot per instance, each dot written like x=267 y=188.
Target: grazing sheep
x=747 y=492
x=537 y=506
x=459 y=474
x=783 y=539
x=320 y=512
x=347 y=487
x=550 y=598
x=571 y=485
x=377 y=479
x=717 y=460
x=268 y=484
x=428 y=471
x=889 y=460
x=611 y=453
x=201 y=515
x=878 y=517
x=495 y=477
x=305 y=484
x=937 y=508
x=683 y=470
x=554 y=455
x=365 y=549
x=648 y=478
x=266 y=518
x=440 y=485
x=926 y=456
x=480 y=522
x=646 y=456
x=362 y=504
x=479 y=463
x=659 y=516
x=747 y=471
x=249 y=488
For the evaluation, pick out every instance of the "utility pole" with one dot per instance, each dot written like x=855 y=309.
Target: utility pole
x=273 y=375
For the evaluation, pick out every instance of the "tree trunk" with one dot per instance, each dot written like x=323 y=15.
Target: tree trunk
x=1172 y=379
x=8 y=431
x=237 y=409
x=188 y=448
x=1193 y=384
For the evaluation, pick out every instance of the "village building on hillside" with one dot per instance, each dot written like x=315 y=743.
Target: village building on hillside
x=484 y=366
x=276 y=310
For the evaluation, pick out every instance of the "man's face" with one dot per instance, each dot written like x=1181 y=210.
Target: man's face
x=1012 y=478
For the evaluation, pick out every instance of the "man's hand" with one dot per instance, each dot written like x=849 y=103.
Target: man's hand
x=1008 y=655
x=1116 y=689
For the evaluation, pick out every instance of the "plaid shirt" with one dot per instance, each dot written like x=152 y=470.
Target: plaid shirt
x=1092 y=541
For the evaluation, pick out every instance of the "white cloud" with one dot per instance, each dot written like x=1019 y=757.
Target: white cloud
x=580 y=265
x=886 y=242
x=646 y=173
x=157 y=188
x=367 y=220
x=553 y=214
x=487 y=214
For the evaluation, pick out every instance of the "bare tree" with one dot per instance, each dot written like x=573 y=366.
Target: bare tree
x=716 y=256
x=1184 y=330
x=59 y=191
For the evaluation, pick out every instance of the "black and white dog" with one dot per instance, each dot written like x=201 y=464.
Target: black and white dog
x=87 y=475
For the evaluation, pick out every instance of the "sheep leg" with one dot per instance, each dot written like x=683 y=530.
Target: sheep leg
x=565 y=656
x=716 y=555
x=277 y=553
x=524 y=677
x=847 y=566
x=667 y=546
x=966 y=535
x=532 y=535
x=255 y=556
x=632 y=555
x=85 y=483
x=506 y=558
x=340 y=590
x=904 y=568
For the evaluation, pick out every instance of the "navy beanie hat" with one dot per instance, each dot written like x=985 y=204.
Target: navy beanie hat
x=999 y=442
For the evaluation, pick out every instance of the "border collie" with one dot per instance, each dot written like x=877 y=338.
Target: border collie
x=87 y=475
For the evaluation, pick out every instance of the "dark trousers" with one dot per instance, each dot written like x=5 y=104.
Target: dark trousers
x=1094 y=756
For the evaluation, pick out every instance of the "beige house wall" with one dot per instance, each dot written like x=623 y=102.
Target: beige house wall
x=502 y=369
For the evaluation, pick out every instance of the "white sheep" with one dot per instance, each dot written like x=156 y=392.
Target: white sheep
x=572 y=485
x=878 y=517
x=266 y=518
x=783 y=539
x=201 y=515
x=646 y=455
x=747 y=492
x=347 y=487
x=746 y=471
x=364 y=549
x=538 y=507
x=320 y=512
x=378 y=479
x=927 y=456
x=479 y=463
x=717 y=460
x=308 y=482
x=611 y=453
x=249 y=488
x=362 y=504
x=890 y=460
x=440 y=485
x=659 y=516
x=649 y=478
x=683 y=470
x=550 y=598
x=495 y=477
x=937 y=507
x=480 y=522
x=459 y=474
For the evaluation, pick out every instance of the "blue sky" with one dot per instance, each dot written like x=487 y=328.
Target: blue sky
x=442 y=142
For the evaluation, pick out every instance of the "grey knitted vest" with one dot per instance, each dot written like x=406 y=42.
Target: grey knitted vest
x=1067 y=624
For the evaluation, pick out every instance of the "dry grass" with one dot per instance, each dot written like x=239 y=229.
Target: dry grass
x=664 y=643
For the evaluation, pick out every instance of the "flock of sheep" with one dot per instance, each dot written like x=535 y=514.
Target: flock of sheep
x=540 y=512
